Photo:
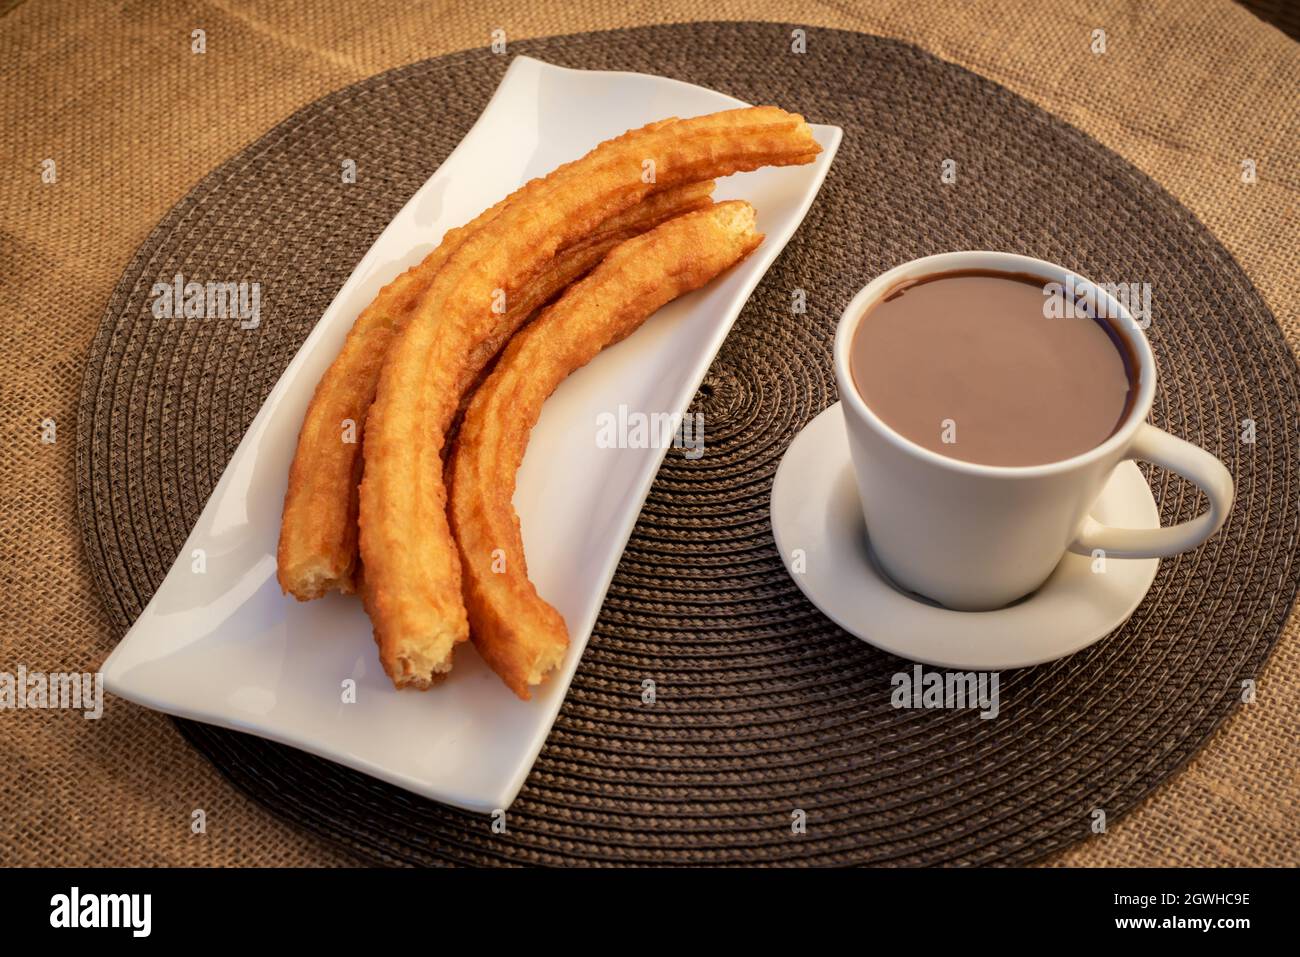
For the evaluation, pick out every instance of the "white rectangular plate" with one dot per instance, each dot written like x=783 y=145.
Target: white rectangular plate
x=227 y=648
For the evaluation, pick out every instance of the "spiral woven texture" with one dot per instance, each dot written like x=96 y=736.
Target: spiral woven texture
x=764 y=708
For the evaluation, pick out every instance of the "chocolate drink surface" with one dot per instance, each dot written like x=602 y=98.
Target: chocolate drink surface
x=969 y=364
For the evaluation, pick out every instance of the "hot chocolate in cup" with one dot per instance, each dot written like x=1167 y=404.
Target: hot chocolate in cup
x=988 y=397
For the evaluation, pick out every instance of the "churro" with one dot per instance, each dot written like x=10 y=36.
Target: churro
x=318 y=532
x=518 y=634
x=413 y=578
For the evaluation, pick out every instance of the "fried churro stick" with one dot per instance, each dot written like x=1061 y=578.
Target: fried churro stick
x=318 y=532
x=413 y=577
x=518 y=634
x=575 y=262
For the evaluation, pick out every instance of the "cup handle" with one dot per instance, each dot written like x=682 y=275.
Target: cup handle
x=1192 y=463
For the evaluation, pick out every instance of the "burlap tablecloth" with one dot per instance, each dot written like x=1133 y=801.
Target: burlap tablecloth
x=111 y=92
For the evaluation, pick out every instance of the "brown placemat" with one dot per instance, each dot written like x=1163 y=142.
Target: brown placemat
x=764 y=706
x=1283 y=14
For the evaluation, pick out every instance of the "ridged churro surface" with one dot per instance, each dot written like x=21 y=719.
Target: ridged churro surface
x=413 y=578
x=519 y=635
x=318 y=532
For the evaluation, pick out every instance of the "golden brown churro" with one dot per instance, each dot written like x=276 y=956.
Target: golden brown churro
x=413 y=577
x=575 y=262
x=518 y=634
x=318 y=533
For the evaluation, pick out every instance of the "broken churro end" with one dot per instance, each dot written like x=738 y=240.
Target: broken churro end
x=313 y=578
x=421 y=669
x=543 y=665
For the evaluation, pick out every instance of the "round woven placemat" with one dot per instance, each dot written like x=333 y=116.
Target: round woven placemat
x=764 y=708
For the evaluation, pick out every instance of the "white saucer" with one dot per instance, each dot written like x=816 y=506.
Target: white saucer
x=815 y=508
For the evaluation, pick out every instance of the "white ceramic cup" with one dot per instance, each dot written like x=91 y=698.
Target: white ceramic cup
x=977 y=537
